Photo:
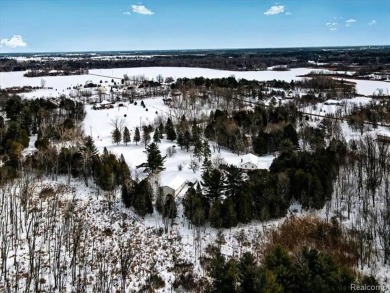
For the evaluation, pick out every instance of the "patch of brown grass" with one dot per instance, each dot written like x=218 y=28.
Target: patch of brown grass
x=328 y=237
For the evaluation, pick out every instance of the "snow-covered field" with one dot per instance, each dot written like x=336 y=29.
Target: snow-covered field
x=61 y=83
x=334 y=106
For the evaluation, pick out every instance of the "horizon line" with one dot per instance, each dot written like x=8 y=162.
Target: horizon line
x=193 y=49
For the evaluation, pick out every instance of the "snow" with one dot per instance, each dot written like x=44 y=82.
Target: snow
x=250 y=158
x=370 y=87
x=333 y=106
x=97 y=123
x=330 y=101
x=60 y=84
x=176 y=182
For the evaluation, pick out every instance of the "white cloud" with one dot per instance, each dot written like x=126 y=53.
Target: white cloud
x=333 y=26
x=273 y=10
x=350 y=21
x=14 y=42
x=372 y=22
x=141 y=9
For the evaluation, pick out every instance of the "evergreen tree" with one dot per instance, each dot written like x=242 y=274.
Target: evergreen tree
x=206 y=150
x=170 y=210
x=254 y=279
x=126 y=136
x=143 y=197
x=146 y=136
x=26 y=120
x=213 y=184
x=244 y=204
x=13 y=107
x=90 y=158
x=224 y=275
x=155 y=162
x=290 y=133
x=198 y=149
x=229 y=213
x=116 y=136
x=137 y=136
x=161 y=130
x=195 y=131
x=180 y=140
x=156 y=136
x=216 y=214
x=206 y=166
x=105 y=178
x=195 y=206
x=170 y=130
x=187 y=140
x=128 y=193
x=234 y=181
x=122 y=170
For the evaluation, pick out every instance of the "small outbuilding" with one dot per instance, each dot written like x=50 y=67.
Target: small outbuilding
x=174 y=185
x=249 y=162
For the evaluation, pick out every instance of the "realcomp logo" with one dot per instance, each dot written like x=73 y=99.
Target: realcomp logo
x=380 y=288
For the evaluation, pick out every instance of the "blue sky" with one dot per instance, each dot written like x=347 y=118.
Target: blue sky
x=82 y=25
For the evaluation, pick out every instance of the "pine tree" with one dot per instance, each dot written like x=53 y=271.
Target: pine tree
x=123 y=171
x=170 y=210
x=161 y=130
x=155 y=162
x=143 y=197
x=206 y=150
x=198 y=149
x=126 y=135
x=290 y=133
x=116 y=136
x=170 y=129
x=146 y=136
x=180 y=140
x=90 y=158
x=128 y=193
x=156 y=136
x=244 y=204
x=229 y=213
x=187 y=140
x=224 y=274
x=234 y=181
x=137 y=136
x=213 y=184
x=216 y=214
x=195 y=132
x=206 y=166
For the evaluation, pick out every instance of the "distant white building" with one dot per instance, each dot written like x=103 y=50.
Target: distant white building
x=252 y=162
x=333 y=102
x=174 y=185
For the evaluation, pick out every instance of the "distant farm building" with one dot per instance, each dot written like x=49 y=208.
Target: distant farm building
x=174 y=185
x=249 y=162
x=252 y=162
x=103 y=105
x=333 y=102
